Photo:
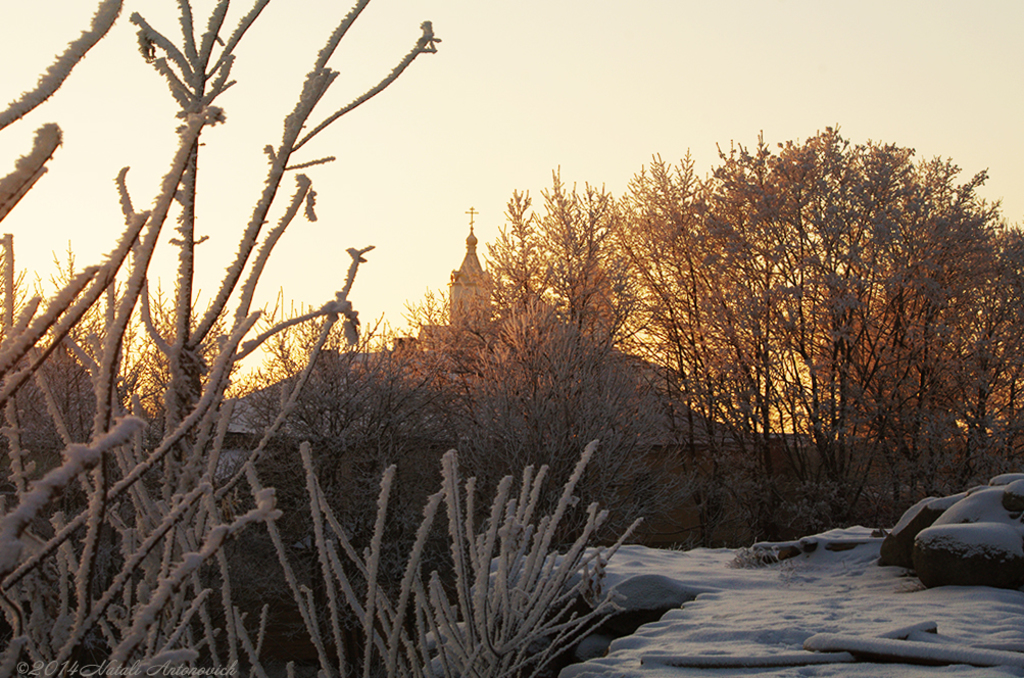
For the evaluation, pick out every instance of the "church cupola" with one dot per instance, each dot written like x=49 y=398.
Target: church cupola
x=469 y=291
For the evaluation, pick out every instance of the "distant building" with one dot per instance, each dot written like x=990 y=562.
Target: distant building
x=469 y=302
x=469 y=292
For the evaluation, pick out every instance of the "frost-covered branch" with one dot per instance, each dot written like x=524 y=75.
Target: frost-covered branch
x=132 y=528
x=210 y=35
x=29 y=168
x=213 y=30
x=53 y=78
x=78 y=459
x=425 y=45
x=509 y=609
x=211 y=396
x=265 y=511
x=303 y=186
x=150 y=38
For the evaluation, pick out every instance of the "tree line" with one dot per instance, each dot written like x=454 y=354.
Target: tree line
x=835 y=327
x=808 y=336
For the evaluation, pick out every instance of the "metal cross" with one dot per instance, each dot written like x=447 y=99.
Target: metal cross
x=472 y=213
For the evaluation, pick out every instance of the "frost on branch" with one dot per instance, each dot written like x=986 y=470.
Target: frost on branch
x=79 y=458
x=29 y=168
x=511 y=602
x=55 y=75
x=119 y=545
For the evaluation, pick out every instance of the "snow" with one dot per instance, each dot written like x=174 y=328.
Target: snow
x=983 y=506
x=974 y=538
x=1006 y=479
x=755 y=621
x=934 y=503
x=914 y=651
x=1015 y=488
x=912 y=512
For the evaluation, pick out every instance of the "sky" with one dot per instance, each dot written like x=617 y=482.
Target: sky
x=517 y=90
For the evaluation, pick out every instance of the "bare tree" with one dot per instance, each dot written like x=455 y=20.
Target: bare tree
x=806 y=302
x=126 y=573
x=538 y=386
x=564 y=257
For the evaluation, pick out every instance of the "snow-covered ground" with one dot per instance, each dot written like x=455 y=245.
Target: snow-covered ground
x=744 y=619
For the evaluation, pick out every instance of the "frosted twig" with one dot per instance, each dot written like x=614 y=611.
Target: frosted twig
x=325 y=569
x=22 y=321
x=127 y=209
x=78 y=458
x=17 y=346
x=29 y=168
x=231 y=626
x=248 y=646
x=209 y=398
x=327 y=51
x=374 y=563
x=60 y=306
x=150 y=37
x=210 y=36
x=425 y=45
x=412 y=569
x=303 y=185
x=289 y=574
x=311 y=163
x=188 y=33
x=130 y=568
x=243 y=26
x=55 y=75
x=193 y=607
x=341 y=305
x=221 y=84
x=81 y=355
x=147 y=321
x=254 y=343
x=15 y=452
x=178 y=89
x=313 y=89
x=264 y=615
x=190 y=562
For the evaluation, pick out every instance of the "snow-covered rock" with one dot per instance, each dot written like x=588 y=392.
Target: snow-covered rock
x=970 y=554
x=593 y=646
x=1006 y=479
x=970 y=539
x=898 y=546
x=1013 y=496
x=982 y=506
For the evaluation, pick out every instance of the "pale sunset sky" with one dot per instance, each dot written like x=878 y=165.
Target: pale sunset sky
x=517 y=89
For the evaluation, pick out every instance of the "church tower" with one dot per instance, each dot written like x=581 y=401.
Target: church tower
x=469 y=292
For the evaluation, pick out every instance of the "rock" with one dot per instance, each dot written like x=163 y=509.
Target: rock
x=808 y=544
x=1013 y=496
x=652 y=592
x=626 y=623
x=644 y=598
x=1006 y=479
x=593 y=646
x=984 y=505
x=843 y=545
x=970 y=554
x=898 y=545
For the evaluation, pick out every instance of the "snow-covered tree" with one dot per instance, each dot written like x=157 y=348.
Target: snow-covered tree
x=138 y=564
x=564 y=257
x=135 y=568
x=831 y=309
